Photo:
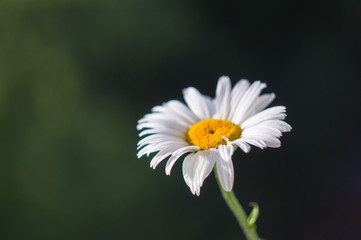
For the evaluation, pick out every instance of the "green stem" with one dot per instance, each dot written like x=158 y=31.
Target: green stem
x=238 y=212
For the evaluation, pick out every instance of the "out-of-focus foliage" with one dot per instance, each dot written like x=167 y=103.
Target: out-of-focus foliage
x=76 y=75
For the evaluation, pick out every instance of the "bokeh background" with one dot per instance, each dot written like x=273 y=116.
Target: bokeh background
x=75 y=76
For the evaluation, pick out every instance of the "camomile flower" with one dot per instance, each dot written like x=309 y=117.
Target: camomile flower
x=208 y=130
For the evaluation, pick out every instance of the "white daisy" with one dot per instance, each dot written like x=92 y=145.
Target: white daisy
x=209 y=130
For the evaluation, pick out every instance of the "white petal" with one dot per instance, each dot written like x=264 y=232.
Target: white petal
x=159 y=145
x=223 y=97
x=246 y=101
x=169 y=120
x=258 y=142
x=206 y=164
x=198 y=103
x=177 y=154
x=237 y=93
x=161 y=155
x=161 y=123
x=259 y=104
x=272 y=142
x=164 y=130
x=179 y=110
x=155 y=147
x=225 y=166
x=188 y=170
x=263 y=101
x=211 y=103
x=242 y=145
x=273 y=113
x=202 y=168
x=260 y=130
x=265 y=134
x=157 y=138
x=278 y=124
x=197 y=167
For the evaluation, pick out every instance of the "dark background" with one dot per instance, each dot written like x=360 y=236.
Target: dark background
x=75 y=76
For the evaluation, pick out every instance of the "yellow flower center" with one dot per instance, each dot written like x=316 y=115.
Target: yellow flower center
x=208 y=133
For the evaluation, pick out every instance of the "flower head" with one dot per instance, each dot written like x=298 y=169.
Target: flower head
x=209 y=130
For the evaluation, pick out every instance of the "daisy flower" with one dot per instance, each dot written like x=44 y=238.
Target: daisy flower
x=208 y=130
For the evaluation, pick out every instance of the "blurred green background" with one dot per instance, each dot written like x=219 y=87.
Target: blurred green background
x=75 y=76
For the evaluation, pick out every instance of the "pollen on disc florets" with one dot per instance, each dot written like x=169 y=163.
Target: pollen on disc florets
x=209 y=133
